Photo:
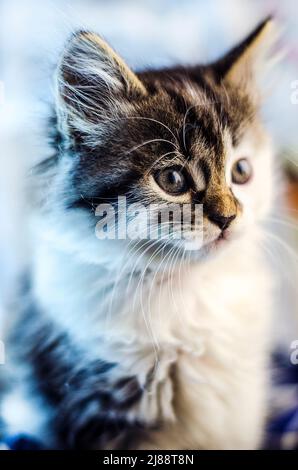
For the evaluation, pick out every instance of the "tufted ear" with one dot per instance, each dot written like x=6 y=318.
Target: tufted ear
x=244 y=65
x=92 y=80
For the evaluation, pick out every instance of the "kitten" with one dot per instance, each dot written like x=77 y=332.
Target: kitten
x=141 y=343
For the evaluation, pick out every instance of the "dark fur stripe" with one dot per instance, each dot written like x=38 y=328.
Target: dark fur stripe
x=89 y=405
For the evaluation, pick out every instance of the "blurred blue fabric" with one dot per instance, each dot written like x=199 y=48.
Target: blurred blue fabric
x=282 y=426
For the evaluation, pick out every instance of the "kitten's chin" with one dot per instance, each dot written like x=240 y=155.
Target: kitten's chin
x=221 y=244
x=223 y=239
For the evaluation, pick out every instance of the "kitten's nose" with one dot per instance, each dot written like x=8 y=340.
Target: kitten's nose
x=221 y=221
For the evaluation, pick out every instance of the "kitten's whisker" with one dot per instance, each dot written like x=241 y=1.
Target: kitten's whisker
x=172 y=270
x=146 y=119
x=153 y=281
x=157 y=161
x=128 y=251
x=285 y=245
x=182 y=300
x=283 y=221
x=140 y=286
x=184 y=125
x=156 y=121
x=279 y=264
x=164 y=271
x=148 y=142
x=151 y=244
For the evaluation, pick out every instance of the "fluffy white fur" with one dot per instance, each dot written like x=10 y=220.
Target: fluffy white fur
x=199 y=327
x=202 y=327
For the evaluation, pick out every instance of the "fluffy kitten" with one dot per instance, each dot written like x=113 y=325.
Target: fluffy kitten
x=130 y=344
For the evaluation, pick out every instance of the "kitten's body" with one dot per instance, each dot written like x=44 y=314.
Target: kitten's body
x=130 y=350
x=198 y=352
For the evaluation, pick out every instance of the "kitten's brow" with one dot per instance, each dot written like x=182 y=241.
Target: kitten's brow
x=149 y=142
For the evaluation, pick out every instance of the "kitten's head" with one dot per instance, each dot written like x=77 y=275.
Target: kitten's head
x=175 y=136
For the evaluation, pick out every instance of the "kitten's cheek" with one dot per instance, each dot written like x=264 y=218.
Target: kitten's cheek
x=244 y=213
x=244 y=220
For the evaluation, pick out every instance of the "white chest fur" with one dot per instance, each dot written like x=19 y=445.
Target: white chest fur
x=201 y=334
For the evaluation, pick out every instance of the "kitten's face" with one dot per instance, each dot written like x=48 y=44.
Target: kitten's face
x=174 y=137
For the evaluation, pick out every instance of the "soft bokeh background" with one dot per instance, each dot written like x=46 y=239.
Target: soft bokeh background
x=146 y=33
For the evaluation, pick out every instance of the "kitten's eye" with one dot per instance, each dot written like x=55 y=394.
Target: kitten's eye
x=172 y=180
x=241 y=171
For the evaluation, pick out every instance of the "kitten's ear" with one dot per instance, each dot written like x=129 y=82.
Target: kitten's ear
x=244 y=64
x=91 y=81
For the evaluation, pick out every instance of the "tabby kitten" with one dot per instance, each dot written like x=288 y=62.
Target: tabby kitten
x=148 y=344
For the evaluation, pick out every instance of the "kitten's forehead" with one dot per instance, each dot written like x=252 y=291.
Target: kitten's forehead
x=203 y=117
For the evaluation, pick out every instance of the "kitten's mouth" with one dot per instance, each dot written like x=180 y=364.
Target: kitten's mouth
x=221 y=240
x=222 y=236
